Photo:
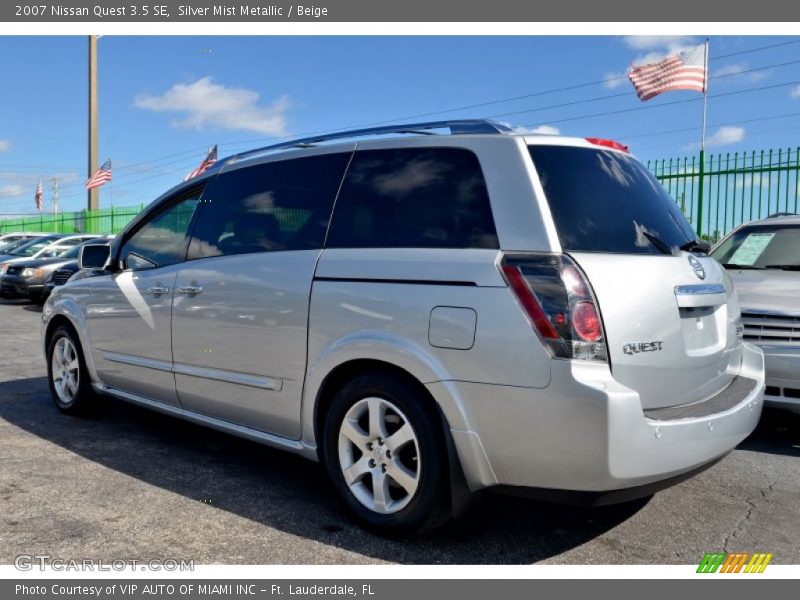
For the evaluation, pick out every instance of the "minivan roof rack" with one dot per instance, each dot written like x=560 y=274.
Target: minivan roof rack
x=456 y=127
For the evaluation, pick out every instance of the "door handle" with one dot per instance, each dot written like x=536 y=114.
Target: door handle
x=157 y=290
x=189 y=290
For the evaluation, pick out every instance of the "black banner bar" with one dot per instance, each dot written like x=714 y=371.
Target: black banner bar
x=399 y=11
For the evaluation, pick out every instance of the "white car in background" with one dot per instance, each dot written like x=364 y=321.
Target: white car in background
x=763 y=260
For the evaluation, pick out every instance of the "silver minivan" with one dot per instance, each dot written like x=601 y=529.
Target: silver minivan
x=430 y=310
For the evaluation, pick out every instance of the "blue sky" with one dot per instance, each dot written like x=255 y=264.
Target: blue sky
x=164 y=100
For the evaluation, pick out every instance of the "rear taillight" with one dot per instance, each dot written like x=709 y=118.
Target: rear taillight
x=559 y=303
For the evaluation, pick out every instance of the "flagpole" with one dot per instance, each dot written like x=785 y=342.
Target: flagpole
x=702 y=170
x=705 y=98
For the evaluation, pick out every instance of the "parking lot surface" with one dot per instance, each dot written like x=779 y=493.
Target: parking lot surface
x=128 y=483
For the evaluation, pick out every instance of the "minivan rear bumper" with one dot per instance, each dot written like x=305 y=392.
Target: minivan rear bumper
x=587 y=432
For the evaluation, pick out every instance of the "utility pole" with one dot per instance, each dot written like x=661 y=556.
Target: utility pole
x=54 y=182
x=93 y=198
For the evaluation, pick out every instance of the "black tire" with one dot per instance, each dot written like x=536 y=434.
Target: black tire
x=429 y=506
x=84 y=399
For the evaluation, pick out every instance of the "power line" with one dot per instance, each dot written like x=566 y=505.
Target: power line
x=664 y=104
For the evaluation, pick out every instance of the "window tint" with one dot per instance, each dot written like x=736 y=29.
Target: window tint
x=413 y=198
x=604 y=201
x=283 y=205
x=761 y=246
x=162 y=240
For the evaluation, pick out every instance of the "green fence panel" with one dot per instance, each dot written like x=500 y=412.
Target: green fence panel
x=102 y=221
x=735 y=188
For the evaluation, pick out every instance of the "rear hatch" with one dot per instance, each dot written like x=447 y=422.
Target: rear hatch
x=670 y=316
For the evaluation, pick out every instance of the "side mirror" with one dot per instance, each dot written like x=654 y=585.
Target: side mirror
x=94 y=256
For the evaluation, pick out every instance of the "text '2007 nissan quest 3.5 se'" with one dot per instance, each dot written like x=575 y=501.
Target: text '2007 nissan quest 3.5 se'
x=427 y=314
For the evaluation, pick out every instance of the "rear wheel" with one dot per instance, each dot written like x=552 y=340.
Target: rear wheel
x=384 y=451
x=66 y=372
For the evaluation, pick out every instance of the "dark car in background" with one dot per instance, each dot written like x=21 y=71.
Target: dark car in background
x=27 y=279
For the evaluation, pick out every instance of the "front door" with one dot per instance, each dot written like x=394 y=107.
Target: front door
x=128 y=313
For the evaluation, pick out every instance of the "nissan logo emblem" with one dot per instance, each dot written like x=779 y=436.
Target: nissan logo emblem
x=697 y=267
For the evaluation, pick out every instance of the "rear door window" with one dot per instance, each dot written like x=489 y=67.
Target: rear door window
x=413 y=198
x=604 y=201
x=283 y=205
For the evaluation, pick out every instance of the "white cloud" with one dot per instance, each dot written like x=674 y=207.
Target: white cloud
x=737 y=71
x=658 y=46
x=15 y=185
x=728 y=134
x=795 y=93
x=540 y=129
x=205 y=104
x=650 y=42
x=724 y=136
x=10 y=190
x=5 y=145
x=613 y=81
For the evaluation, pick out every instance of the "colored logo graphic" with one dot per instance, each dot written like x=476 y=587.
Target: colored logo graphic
x=737 y=562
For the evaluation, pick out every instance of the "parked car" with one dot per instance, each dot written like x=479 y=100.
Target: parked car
x=26 y=278
x=62 y=275
x=9 y=241
x=763 y=259
x=43 y=247
x=427 y=315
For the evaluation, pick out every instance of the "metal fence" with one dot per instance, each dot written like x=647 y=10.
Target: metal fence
x=718 y=192
x=104 y=220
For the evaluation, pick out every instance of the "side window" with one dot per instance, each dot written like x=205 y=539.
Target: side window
x=162 y=240
x=413 y=198
x=283 y=205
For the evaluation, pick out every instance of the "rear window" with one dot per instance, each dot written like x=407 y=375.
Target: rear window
x=761 y=247
x=604 y=201
x=413 y=198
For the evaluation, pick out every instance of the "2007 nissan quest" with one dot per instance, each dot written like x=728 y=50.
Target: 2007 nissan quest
x=428 y=314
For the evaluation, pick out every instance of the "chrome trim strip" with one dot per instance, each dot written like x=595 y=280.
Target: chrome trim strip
x=265 y=383
x=699 y=289
x=138 y=361
x=296 y=446
x=770 y=313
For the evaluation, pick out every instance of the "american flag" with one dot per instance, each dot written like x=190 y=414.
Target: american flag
x=209 y=160
x=38 y=197
x=100 y=176
x=684 y=71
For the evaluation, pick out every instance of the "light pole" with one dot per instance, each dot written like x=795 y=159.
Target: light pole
x=93 y=198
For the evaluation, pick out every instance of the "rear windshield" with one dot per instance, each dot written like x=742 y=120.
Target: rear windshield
x=761 y=247
x=604 y=201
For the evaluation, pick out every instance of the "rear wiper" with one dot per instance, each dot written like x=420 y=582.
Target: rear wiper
x=696 y=246
x=735 y=266
x=784 y=267
x=659 y=244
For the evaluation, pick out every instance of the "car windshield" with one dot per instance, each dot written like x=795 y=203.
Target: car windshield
x=604 y=201
x=11 y=243
x=32 y=247
x=764 y=246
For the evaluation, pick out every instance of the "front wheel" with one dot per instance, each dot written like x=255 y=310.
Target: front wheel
x=66 y=372
x=385 y=453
